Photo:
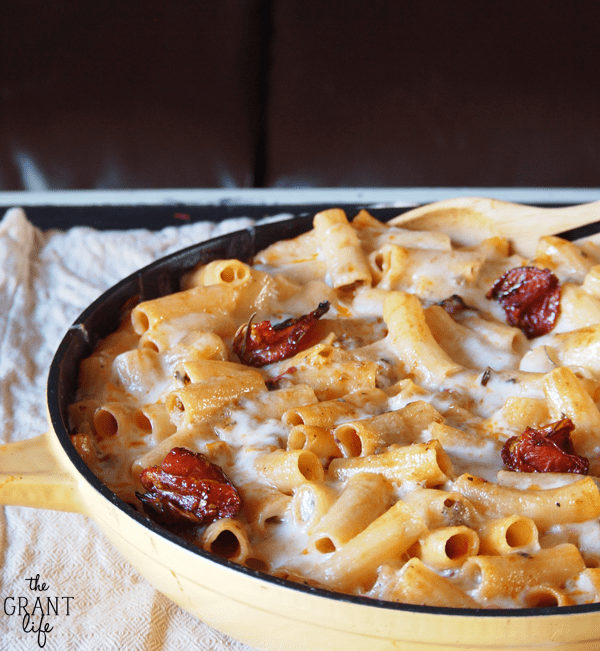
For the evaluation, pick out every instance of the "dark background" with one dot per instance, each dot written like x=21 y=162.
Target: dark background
x=268 y=93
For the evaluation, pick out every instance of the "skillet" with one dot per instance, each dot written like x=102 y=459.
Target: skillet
x=260 y=610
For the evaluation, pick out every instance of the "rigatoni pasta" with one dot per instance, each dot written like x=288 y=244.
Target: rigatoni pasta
x=368 y=408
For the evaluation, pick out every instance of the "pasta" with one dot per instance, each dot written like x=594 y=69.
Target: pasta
x=367 y=408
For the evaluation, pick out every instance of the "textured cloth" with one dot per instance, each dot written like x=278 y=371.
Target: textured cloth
x=46 y=280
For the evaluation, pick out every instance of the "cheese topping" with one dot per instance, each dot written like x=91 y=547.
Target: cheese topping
x=368 y=459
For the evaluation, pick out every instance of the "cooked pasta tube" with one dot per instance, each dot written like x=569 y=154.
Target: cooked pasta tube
x=332 y=371
x=373 y=234
x=194 y=402
x=155 y=419
x=275 y=404
x=501 y=536
x=439 y=508
x=227 y=272
x=140 y=369
x=498 y=335
x=227 y=538
x=289 y=469
x=356 y=440
x=447 y=548
x=196 y=347
x=421 y=463
x=216 y=299
x=412 y=341
x=311 y=502
x=340 y=249
x=578 y=309
x=202 y=331
x=207 y=369
x=458 y=439
x=256 y=295
x=575 y=502
x=263 y=505
x=579 y=347
x=116 y=418
x=566 y=396
x=591 y=282
x=495 y=576
x=328 y=412
x=319 y=356
x=316 y=439
x=518 y=413
x=364 y=219
x=406 y=390
x=457 y=267
x=433 y=275
x=564 y=258
x=453 y=337
x=290 y=251
x=415 y=583
x=388 y=264
x=544 y=596
x=387 y=538
x=401 y=426
x=536 y=480
x=364 y=498
x=466 y=346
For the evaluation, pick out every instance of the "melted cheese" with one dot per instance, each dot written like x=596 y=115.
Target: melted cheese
x=498 y=364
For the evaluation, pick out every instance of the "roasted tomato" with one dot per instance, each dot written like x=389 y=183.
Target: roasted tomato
x=530 y=297
x=188 y=488
x=263 y=343
x=548 y=449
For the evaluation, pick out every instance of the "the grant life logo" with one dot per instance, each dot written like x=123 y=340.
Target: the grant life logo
x=37 y=611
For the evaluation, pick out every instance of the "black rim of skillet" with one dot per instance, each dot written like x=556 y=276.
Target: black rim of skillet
x=160 y=278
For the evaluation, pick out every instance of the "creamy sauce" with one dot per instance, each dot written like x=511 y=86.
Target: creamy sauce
x=467 y=410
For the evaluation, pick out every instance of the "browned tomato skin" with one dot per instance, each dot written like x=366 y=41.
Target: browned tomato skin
x=454 y=305
x=548 y=449
x=530 y=297
x=262 y=343
x=188 y=488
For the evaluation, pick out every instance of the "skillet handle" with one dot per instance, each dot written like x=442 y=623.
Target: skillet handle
x=33 y=473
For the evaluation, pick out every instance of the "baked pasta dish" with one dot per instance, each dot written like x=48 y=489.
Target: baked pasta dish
x=370 y=409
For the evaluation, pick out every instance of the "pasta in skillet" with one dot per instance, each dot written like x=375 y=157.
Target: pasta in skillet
x=369 y=409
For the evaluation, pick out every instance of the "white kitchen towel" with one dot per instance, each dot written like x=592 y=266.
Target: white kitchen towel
x=101 y=603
